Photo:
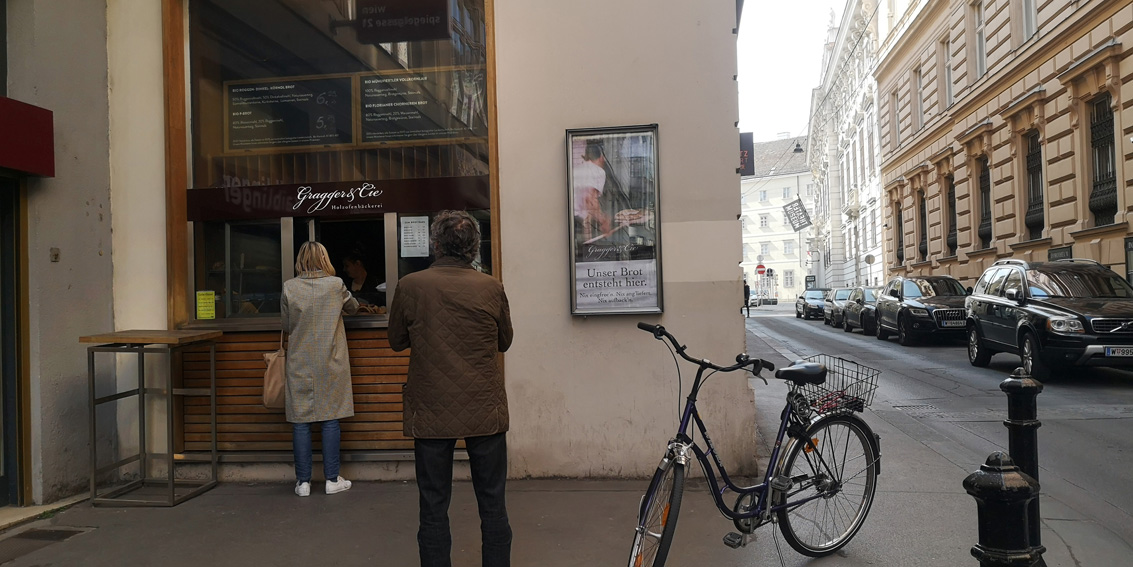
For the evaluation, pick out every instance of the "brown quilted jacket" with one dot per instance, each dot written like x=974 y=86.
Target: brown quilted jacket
x=457 y=321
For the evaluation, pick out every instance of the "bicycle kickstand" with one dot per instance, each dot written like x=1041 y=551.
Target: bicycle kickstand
x=736 y=540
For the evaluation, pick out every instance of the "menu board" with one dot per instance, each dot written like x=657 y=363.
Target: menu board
x=289 y=113
x=424 y=105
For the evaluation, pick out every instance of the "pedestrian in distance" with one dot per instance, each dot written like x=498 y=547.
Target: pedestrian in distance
x=318 y=363
x=456 y=320
x=747 y=299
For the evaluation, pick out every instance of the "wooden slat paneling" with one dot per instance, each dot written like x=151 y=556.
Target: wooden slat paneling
x=377 y=373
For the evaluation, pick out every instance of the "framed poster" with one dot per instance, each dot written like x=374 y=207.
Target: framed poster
x=615 y=229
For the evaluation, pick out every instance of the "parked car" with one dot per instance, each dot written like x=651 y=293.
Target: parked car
x=832 y=307
x=811 y=303
x=861 y=310
x=1052 y=314
x=914 y=306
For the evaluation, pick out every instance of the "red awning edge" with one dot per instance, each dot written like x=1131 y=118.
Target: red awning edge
x=27 y=138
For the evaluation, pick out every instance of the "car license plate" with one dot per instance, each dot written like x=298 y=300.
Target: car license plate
x=952 y=323
x=1119 y=351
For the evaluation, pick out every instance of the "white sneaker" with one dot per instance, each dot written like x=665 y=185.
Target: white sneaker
x=338 y=485
x=303 y=488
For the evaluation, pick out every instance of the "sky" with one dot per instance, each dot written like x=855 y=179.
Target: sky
x=780 y=58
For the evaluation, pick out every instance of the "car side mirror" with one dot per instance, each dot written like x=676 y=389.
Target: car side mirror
x=1014 y=294
x=968 y=290
x=860 y=301
x=895 y=293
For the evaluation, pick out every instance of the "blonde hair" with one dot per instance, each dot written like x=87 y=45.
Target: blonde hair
x=313 y=256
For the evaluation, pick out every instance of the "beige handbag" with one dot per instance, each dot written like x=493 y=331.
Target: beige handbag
x=275 y=377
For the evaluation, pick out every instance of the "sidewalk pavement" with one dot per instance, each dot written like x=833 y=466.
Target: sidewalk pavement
x=921 y=517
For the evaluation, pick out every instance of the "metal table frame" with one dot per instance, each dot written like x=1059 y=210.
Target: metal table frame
x=171 y=498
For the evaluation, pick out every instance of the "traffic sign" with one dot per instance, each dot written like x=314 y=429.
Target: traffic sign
x=760 y=269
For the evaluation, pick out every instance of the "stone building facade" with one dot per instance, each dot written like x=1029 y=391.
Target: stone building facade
x=1004 y=134
x=843 y=152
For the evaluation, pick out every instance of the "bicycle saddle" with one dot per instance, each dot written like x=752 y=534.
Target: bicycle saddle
x=802 y=373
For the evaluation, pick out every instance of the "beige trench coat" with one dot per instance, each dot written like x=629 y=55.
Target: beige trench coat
x=318 y=362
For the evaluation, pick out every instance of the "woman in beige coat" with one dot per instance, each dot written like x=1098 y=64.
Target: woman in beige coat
x=318 y=363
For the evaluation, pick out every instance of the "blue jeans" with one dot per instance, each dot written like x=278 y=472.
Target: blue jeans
x=301 y=442
x=488 y=459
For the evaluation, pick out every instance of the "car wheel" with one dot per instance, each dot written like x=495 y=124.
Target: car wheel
x=881 y=333
x=978 y=353
x=797 y=314
x=1033 y=364
x=904 y=334
x=846 y=326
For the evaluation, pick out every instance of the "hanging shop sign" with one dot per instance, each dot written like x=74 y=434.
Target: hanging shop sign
x=339 y=199
x=288 y=113
x=796 y=213
x=27 y=138
x=747 y=159
x=615 y=230
x=389 y=21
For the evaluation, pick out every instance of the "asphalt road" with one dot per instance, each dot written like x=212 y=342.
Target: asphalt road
x=933 y=394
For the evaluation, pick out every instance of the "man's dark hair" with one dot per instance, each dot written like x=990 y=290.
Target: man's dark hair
x=455 y=234
x=593 y=151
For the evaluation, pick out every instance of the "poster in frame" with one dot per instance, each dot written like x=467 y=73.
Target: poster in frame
x=615 y=225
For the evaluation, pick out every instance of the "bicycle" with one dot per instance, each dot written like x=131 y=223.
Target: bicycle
x=819 y=492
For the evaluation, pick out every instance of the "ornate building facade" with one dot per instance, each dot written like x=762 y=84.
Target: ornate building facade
x=1002 y=134
x=843 y=152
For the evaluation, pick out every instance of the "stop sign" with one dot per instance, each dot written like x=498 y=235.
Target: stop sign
x=760 y=269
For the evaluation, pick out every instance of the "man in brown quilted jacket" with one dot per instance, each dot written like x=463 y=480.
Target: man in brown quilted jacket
x=456 y=320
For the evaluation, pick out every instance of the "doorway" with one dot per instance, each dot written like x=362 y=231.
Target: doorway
x=10 y=367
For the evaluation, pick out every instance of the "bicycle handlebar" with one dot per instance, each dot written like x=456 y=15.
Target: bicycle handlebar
x=742 y=359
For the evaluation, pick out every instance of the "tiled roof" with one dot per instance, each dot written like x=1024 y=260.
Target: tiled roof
x=778 y=157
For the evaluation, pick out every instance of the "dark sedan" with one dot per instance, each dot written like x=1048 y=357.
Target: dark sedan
x=861 y=310
x=835 y=301
x=915 y=306
x=811 y=303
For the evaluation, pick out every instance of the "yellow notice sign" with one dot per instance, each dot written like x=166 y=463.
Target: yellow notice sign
x=206 y=305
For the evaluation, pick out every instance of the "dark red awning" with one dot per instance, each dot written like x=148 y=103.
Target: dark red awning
x=27 y=138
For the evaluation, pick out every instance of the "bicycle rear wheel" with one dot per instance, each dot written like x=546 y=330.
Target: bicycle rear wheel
x=837 y=472
x=657 y=519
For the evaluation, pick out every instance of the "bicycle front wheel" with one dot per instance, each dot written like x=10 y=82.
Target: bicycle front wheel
x=834 y=475
x=657 y=519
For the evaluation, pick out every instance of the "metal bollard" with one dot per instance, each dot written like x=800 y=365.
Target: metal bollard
x=1022 y=435
x=1002 y=494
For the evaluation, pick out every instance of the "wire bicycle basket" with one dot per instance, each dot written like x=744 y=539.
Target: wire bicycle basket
x=849 y=386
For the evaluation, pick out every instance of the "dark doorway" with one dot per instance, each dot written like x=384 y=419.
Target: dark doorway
x=9 y=339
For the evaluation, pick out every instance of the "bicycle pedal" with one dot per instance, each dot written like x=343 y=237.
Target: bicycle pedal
x=734 y=540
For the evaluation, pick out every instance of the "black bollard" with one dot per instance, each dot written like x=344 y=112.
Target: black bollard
x=1002 y=494
x=1022 y=435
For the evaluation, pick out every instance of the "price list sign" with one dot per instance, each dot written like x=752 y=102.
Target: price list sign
x=424 y=105
x=289 y=113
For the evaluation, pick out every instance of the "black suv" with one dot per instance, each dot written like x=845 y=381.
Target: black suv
x=913 y=306
x=811 y=303
x=1052 y=314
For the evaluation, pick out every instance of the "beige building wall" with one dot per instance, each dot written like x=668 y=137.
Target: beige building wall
x=594 y=396
x=1042 y=83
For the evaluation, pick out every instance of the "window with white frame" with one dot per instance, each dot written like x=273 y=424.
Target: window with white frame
x=894 y=119
x=788 y=247
x=918 y=100
x=786 y=192
x=945 y=73
x=762 y=195
x=764 y=220
x=788 y=278
x=764 y=248
x=1030 y=18
x=809 y=189
x=980 y=28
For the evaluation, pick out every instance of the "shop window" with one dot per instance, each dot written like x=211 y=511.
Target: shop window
x=301 y=131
